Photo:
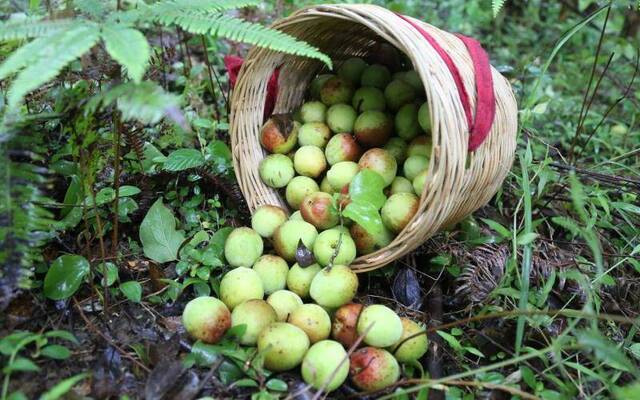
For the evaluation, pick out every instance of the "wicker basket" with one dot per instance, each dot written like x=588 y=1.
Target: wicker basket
x=456 y=186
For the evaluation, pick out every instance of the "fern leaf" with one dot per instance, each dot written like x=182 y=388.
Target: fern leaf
x=94 y=8
x=24 y=56
x=206 y=5
x=129 y=47
x=145 y=102
x=497 y=5
x=62 y=49
x=28 y=28
x=240 y=31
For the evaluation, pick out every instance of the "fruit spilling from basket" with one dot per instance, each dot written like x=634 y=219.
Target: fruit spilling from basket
x=352 y=163
x=356 y=154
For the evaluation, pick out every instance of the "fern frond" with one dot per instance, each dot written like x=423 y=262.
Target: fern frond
x=209 y=5
x=94 y=8
x=145 y=102
x=23 y=56
x=129 y=47
x=28 y=28
x=497 y=5
x=238 y=30
x=62 y=49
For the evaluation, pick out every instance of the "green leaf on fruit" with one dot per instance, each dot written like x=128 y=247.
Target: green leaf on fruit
x=65 y=276
x=158 y=234
x=366 y=215
x=367 y=187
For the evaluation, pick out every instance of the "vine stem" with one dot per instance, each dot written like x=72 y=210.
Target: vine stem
x=117 y=132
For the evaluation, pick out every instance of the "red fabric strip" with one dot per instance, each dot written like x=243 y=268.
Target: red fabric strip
x=479 y=126
x=233 y=65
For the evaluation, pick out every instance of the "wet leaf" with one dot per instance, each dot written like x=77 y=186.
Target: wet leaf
x=132 y=291
x=367 y=187
x=406 y=288
x=366 y=215
x=158 y=234
x=65 y=276
x=304 y=256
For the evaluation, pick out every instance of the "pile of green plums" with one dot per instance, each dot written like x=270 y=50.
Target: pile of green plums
x=303 y=315
x=363 y=117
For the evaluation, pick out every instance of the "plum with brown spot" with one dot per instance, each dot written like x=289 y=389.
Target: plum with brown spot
x=373 y=369
x=279 y=134
x=344 y=325
x=373 y=128
x=206 y=318
x=342 y=147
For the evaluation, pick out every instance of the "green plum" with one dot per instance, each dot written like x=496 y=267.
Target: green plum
x=380 y=161
x=342 y=147
x=314 y=134
x=299 y=279
x=380 y=326
x=283 y=346
x=309 y=161
x=341 y=174
x=267 y=218
x=313 y=320
x=413 y=165
x=373 y=369
x=406 y=122
x=325 y=366
x=206 y=318
x=284 y=302
x=243 y=247
x=276 y=170
x=341 y=117
x=336 y=90
x=334 y=286
x=375 y=75
x=398 y=210
x=373 y=128
x=256 y=315
x=313 y=111
x=398 y=93
x=279 y=134
x=334 y=245
x=407 y=350
x=368 y=98
x=239 y=285
x=273 y=272
x=287 y=236
x=299 y=188
x=352 y=69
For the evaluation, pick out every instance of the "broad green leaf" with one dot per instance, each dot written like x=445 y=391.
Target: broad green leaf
x=277 y=385
x=219 y=155
x=366 y=215
x=526 y=238
x=129 y=47
x=631 y=391
x=626 y=207
x=158 y=234
x=61 y=388
x=109 y=273
x=132 y=290
x=65 y=276
x=182 y=159
x=150 y=153
x=501 y=230
x=367 y=186
x=56 y=352
x=60 y=334
x=21 y=364
x=108 y=194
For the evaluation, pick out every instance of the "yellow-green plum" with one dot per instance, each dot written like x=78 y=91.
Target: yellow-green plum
x=276 y=170
x=325 y=366
x=397 y=148
x=283 y=346
x=314 y=134
x=406 y=122
x=380 y=161
x=313 y=320
x=319 y=210
x=287 y=236
x=407 y=350
x=334 y=286
x=373 y=128
x=368 y=98
x=398 y=93
x=243 y=247
x=344 y=324
x=284 y=302
x=375 y=75
x=239 y=285
x=373 y=369
x=267 y=218
x=424 y=117
x=366 y=242
x=336 y=90
x=341 y=117
x=325 y=186
x=413 y=165
x=419 y=181
x=206 y=318
x=341 y=174
x=296 y=216
x=309 y=161
x=316 y=85
x=255 y=315
x=380 y=326
x=351 y=69
x=299 y=279
x=273 y=272
x=342 y=147
x=334 y=242
x=299 y=188
x=279 y=134
x=420 y=146
x=401 y=184
x=398 y=210
x=313 y=111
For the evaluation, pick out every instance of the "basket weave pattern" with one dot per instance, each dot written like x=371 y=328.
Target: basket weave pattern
x=452 y=191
